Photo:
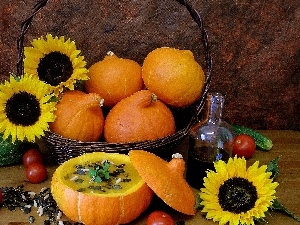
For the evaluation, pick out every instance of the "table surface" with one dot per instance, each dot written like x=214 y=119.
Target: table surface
x=286 y=144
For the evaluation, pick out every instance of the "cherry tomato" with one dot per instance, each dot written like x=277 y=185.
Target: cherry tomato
x=243 y=145
x=160 y=218
x=32 y=156
x=36 y=173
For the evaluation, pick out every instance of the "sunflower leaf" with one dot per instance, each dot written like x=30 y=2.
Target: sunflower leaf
x=280 y=207
x=273 y=167
x=15 y=76
x=198 y=206
x=54 y=98
x=261 y=220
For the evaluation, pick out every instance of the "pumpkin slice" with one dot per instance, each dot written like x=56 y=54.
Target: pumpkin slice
x=100 y=188
x=165 y=179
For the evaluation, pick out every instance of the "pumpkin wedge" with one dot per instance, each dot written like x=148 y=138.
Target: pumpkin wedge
x=100 y=188
x=166 y=179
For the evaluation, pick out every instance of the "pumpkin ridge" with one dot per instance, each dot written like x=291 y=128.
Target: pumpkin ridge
x=122 y=206
x=79 y=208
x=73 y=121
x=90 y=100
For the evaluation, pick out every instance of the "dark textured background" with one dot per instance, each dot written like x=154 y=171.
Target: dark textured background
x=255 y=45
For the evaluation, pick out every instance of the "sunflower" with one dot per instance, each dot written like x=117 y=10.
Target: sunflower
x=56 y=62
x=25 y=108
x=236 y=195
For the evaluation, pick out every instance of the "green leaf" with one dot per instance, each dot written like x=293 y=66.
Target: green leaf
x=106 y=175
x=98 y=179
x=273 y=167
x=16 y=77
x=92 y=173
x=280 y=207
x=54 y=99
x=198 y=206
x=99 y=172
x=106 y=166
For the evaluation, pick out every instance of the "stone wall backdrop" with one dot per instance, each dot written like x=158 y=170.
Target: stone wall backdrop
x=255 y=45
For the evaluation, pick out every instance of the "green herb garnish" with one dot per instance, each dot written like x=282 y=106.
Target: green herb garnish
x=99 y=172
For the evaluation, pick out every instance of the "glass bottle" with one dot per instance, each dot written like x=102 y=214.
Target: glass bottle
x=210 y=139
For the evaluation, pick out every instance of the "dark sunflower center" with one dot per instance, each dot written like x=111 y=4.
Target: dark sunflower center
x=55 y=68
x=23 y=109
x=237 y=195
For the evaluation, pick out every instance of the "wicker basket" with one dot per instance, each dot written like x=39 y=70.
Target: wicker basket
x=63 y=149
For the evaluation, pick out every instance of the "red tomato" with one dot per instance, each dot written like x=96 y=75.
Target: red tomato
x=243 y=145
x=36 y=173
x=32 y=156
x=160 y=218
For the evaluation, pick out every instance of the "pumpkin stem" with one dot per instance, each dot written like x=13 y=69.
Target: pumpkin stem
x=110 y=53
x=92 y=100
x=177 y=164
x=153 y=97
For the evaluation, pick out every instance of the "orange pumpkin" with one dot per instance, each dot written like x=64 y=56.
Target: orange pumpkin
x=138 y=117
x=114 y=78
x=79 y=116
x=116 y=206
x=166 y=179
x=173 y=75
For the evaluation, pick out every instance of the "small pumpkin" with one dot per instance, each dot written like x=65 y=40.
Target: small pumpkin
x=166 y=179
x=79 y=116
x=114 y=78
x=139 y=117
x=116 y=206
x=173 y=75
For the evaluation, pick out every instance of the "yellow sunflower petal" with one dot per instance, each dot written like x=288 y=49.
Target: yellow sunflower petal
x=221 y=169
x=211 y=187
x=32 y=87
x=235 y=169
x=42 y=47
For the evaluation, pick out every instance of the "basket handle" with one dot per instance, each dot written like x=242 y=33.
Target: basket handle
x=24 y=28
x=208 y=60
x=196 y=17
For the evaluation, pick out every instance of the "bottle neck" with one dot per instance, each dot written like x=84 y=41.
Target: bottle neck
x=215 y=104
